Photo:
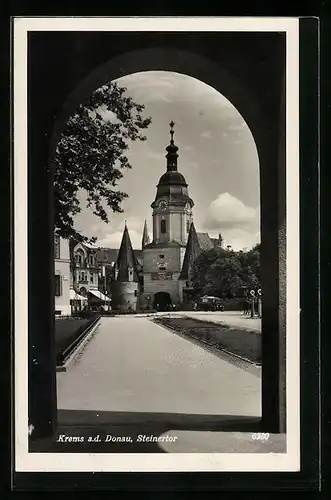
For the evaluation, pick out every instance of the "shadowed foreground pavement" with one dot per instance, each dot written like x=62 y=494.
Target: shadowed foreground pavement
x=137 y=378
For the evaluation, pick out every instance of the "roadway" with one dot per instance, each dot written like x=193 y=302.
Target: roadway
x=132 y=364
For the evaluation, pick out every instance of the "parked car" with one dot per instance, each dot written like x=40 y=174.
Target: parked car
x=210 y=303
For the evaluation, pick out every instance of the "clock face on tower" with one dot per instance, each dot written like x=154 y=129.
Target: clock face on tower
x=162 y=205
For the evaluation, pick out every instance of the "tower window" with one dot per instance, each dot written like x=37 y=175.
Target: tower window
x=130 y=274
x=163 y=226
x=188 y=224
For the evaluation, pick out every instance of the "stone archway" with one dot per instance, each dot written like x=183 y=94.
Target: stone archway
x=256 y=90
x=162 y=301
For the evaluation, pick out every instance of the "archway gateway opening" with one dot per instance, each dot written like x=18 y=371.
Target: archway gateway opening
x=162 y=301
x=259 y=96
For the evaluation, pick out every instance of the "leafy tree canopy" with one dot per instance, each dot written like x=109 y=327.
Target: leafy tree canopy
x=91 y=156
x=226 y=273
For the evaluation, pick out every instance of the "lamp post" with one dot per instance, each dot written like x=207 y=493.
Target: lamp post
x=252 y=294
x=259 y=298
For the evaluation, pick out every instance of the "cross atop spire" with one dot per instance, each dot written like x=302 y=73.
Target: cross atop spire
x=172 y=124
x=172 y=150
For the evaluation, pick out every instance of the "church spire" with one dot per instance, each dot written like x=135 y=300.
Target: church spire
x=172 y=151
x=126 y=260
x=192 y=251
x=145 y=239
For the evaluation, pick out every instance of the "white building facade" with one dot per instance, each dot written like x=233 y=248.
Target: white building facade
x=62 y=276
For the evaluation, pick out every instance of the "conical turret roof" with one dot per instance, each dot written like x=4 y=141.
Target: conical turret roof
x=145 y=239
x=192 y=251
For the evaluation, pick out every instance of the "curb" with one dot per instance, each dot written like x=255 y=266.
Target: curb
x=78 y=349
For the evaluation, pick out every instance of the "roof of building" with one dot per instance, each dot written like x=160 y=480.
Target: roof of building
x=192 y=251
x=145 y=239
x=127 y=259
x=172 y=177
x=171 y=244
x=109 y=255
x=196 y=243
x=205 y=241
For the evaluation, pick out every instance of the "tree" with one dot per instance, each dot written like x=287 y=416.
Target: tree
x=226 y=273
x=201 y=266
x=223 y=276
x=250 y=263
x=90 y=156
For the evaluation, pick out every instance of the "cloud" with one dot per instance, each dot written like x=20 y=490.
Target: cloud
x=237 y=127
x=113 y=238
x=107 y=115
x=194 y=165
x=239 y=239
x=164 y=86
x=206 y=134
x=238 y=223
x=226 y=211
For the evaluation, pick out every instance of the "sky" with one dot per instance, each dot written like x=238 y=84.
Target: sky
x=217 y=156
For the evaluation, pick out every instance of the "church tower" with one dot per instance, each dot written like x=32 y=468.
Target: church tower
x=172 y=207
x=172 y=218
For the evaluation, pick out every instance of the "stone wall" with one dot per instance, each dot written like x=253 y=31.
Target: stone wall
x=125 y=295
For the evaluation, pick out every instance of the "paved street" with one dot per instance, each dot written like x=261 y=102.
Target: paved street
x=132 y=364
x=137 y=378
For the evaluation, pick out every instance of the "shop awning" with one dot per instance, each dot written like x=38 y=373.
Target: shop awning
x=76 y=296
x=99 y=295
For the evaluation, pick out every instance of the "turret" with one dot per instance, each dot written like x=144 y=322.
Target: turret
x=145 y=239
x=126 y=283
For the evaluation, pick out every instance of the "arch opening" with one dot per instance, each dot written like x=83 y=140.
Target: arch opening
x=264 y=121
x=162 y=301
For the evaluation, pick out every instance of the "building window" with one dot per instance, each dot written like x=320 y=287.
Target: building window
x=91 y=260
x=58 y=283
x=57 y=247
x=188 y=224
x=162 y=268
x=91 y=278
x=163 y=226
x=161 y=256
x=135 y=293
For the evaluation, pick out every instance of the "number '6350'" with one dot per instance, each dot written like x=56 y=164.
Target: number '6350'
x=263 y=436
